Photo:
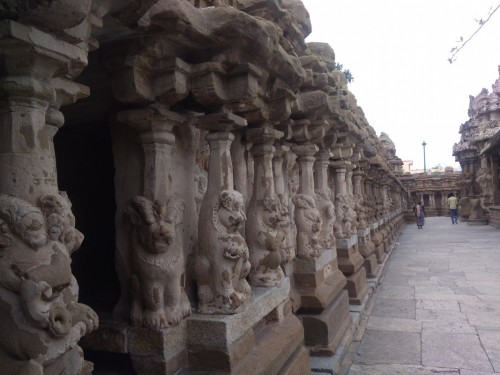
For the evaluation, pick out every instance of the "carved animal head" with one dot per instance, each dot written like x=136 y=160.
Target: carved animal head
x=231 y=210
x=22 y=219
x=271 y=213
x=60 y=220
x=155 y=222
x=306 y=214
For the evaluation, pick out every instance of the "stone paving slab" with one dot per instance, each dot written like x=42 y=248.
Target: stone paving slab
x=401 y=370
x=459 y=350
x=437 y=309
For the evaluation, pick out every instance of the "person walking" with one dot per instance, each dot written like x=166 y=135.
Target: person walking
x=420 y=214
x=453 y=205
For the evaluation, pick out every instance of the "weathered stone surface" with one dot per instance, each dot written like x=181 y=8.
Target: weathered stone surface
x=325 y=331
x=389 y=347
x=357 y=287
x=200 y=204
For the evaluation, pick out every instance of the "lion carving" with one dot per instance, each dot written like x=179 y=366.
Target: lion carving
x=308 y=222
x=43 y=320
x=222 y=263
x=265 y=236
x=158 y=296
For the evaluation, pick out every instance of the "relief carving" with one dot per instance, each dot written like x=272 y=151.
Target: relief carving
x=43 y=320
x=265 y=237
x=158 y=296
x=326 y=209
x=342 y=226
x=222 y=264
x=360 y=211
x=308 y=221
x=476 y=210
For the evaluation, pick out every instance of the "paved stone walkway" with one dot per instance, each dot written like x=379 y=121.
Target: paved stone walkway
x=437 y=310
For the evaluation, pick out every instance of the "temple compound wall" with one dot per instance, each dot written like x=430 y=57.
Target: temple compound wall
x=432 y=190
x=478 y=153
x=234 y=200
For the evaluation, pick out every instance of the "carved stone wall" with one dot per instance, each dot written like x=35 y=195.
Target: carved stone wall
x=249 y=188
x=478 y=154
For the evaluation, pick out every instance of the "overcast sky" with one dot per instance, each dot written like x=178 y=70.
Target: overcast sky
x=398 y=50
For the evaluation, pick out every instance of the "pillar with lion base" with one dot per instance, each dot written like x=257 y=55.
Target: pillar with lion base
x=157 y=302
x=324 y=308
x=351 y=262
x=366 y=246
x=41 y=320
x=242 y=322
x=377 y=225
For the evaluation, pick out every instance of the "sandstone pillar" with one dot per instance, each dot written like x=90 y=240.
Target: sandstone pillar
x=307 y=217
x=324 y=308
x=41 y=321
x=366 y=246
x=281 y=177
x=156 y=272
x=242 y=324
x=351 y=263
x=264 y=231
x=221 y=269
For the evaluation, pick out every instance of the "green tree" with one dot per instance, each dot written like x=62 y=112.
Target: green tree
x=347 y=73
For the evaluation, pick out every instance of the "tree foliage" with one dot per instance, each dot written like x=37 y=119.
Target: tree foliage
x=347 y=73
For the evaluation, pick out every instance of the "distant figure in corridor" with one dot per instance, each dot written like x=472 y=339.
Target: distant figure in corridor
x=420 y=214
x=452 y=204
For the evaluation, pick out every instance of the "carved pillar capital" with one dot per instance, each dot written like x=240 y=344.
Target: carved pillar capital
x=154 y=126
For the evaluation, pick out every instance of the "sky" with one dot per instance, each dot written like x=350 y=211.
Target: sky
x=398 y=51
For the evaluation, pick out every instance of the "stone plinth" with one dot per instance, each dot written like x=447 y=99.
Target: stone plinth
x=350 y=260
x=232 y=343
x=324 y=307
x=324 y=332
x=351 y=263
x=151 y=351
x=318 y=281
x=495 y=216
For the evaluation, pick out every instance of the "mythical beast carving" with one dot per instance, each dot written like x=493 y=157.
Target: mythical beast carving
x=222 y=264
x=43 y=320
x=308 y=222
x=158 y=296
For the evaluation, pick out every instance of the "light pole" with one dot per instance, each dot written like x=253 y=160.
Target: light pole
x=425 y=169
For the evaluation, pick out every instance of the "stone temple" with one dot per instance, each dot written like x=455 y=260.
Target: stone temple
x=233 y=204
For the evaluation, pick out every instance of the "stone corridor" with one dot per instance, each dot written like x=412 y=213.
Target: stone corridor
x=437 y=309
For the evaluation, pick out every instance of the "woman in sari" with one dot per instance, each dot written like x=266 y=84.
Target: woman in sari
x=420 y=214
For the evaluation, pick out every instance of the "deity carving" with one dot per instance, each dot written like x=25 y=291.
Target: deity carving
x=352 y=215
x=343 y=226
x=326 y=209
x=360 y=211
x=265 y=236
x=158 y=296
x=201 y=176
x=43 y=320
x=308 y=221
x=223 y=261
x=476 y=210
x=485 y=181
